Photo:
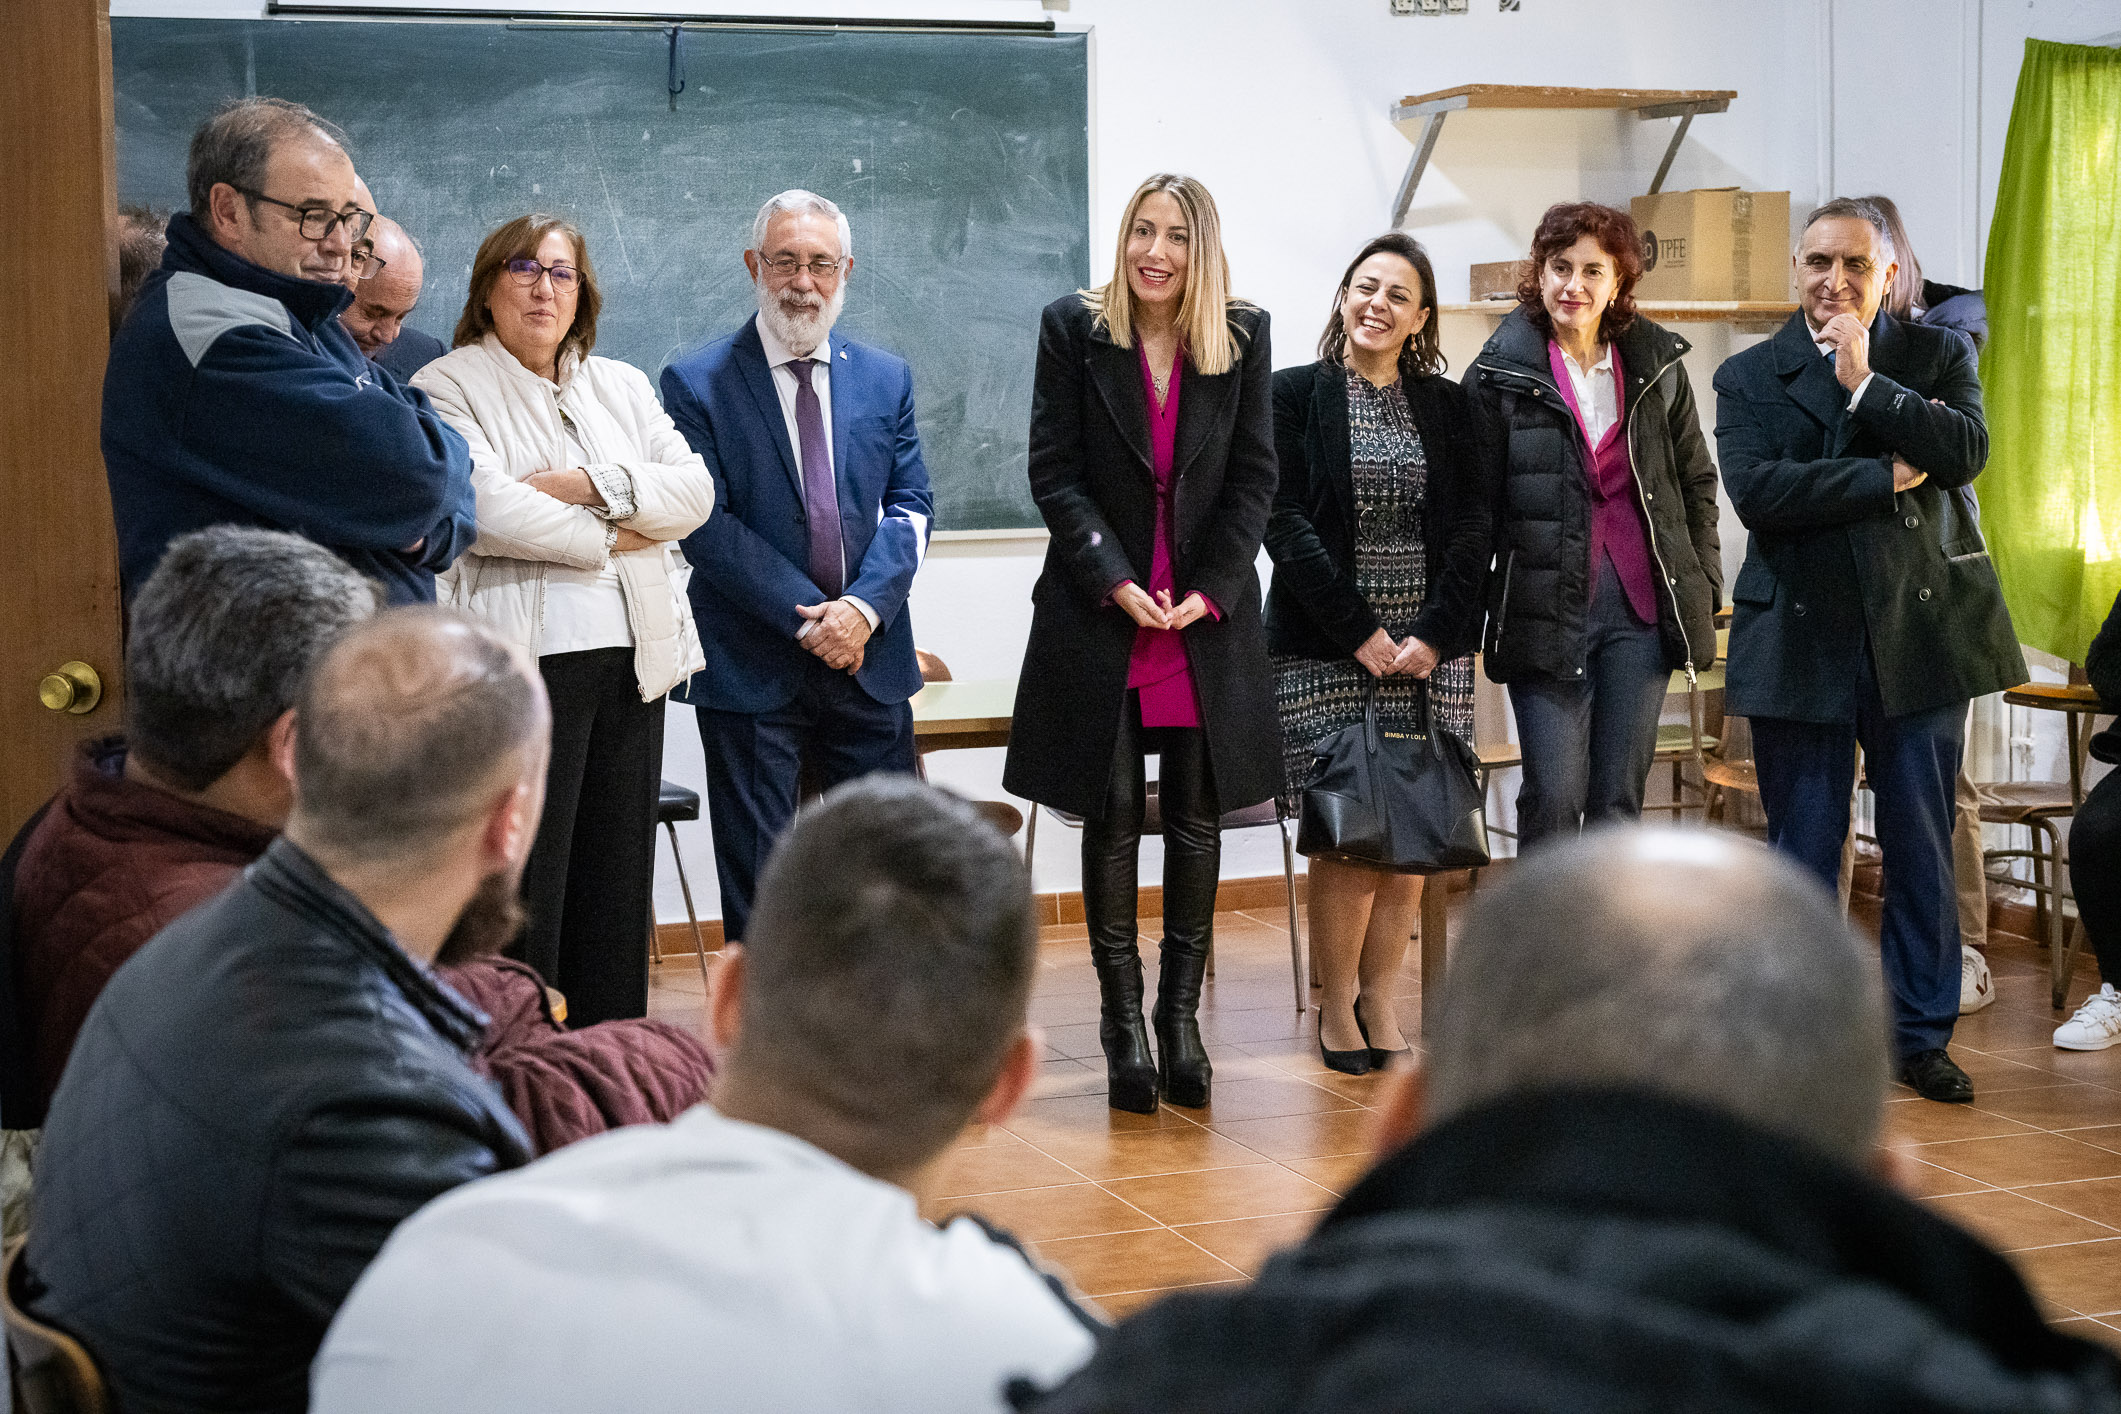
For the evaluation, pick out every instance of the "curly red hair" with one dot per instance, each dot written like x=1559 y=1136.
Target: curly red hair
x=1563 y=226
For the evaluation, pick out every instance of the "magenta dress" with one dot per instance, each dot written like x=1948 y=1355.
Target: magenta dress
x=1157 y=668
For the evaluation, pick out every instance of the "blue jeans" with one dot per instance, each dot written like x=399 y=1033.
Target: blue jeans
x=1806 y=771
x=1589 y=741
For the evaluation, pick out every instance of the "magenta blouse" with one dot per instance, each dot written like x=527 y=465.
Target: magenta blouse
x=1158 y=667
x=1617 y=527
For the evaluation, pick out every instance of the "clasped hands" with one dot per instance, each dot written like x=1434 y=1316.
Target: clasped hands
x=1385 y=658
x=574 y=487
x=839 y=633
x=1157 y=611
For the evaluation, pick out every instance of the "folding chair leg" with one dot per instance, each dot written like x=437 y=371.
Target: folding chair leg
x=2057 y=953
x=1296 y=939
x=699 y=940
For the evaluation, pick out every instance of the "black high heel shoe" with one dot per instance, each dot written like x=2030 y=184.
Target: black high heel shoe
x=1355 y=1062
x=1379 y=1058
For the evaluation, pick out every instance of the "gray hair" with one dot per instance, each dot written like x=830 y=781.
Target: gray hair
x=1692 y=964
x=888 y=969
x=1855 y=208
x=404 y=732
x=796 y=199
x=222 y=634
x=236 y=144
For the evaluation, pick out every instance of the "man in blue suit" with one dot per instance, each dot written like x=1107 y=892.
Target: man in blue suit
x=822 y=515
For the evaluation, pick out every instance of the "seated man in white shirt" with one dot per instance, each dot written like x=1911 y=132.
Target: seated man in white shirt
x=764 y=1252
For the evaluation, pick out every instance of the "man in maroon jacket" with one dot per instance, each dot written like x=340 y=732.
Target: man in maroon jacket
x=160 y=820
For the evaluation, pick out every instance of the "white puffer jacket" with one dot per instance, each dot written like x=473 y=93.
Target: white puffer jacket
x=511 y=418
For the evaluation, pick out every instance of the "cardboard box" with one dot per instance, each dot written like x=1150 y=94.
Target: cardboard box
x=1498 y=277
x=1715 y=243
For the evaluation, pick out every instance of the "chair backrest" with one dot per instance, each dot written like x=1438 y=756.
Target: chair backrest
x=933 y=669
x=21 y=1102
x=53 y=1372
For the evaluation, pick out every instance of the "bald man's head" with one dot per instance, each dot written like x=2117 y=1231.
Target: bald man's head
x=383 y=300
x=1691 y=963
x=408 y=730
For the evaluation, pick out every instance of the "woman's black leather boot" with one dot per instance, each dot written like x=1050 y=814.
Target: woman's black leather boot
x=1182 y=1060
x=1130 y=1068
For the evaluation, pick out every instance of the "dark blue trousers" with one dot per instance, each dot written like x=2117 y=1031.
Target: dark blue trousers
x=1589 y=741
x=1806 y=772
x=755 y=764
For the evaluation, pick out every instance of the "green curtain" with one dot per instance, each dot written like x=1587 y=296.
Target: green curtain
x=2051 y=372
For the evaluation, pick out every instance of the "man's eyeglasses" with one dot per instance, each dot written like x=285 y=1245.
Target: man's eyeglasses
x=525 y=271
x=785 y=266
x=366 y=263
x=317 y=222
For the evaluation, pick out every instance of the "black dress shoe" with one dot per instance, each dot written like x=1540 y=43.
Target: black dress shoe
x=1379 y=1057
x=1936 y=1076
x=1355 y=1062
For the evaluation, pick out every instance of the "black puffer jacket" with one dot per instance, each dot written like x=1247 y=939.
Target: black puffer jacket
x=1607 y=1251
x=258 y=1097
x=1540 y=592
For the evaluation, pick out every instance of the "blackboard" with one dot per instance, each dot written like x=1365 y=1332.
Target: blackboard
x=961 y=160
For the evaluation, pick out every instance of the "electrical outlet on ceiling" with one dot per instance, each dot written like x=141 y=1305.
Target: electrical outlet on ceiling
x=1431 y=7
x=1403 y=7
x=1454 y=7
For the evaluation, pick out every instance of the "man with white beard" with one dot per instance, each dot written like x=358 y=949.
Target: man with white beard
x=800 y=578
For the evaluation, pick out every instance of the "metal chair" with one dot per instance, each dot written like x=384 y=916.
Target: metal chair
x=2038 y=806
x=1251 y=817
x=674 y=804
x=53 y=1372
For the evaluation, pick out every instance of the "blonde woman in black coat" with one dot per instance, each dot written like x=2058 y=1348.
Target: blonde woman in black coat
x=1152 y=461
x=1380 y=543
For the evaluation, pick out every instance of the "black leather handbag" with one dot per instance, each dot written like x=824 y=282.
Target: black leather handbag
x=1410 y=802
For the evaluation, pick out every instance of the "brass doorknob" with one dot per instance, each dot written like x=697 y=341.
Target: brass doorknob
x=71 y=687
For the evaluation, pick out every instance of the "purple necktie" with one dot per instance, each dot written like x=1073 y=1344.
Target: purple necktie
x=821 y=498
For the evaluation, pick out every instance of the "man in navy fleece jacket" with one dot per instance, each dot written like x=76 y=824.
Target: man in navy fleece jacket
x=233 y=394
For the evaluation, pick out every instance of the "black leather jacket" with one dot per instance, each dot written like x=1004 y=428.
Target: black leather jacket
x=256 y=1100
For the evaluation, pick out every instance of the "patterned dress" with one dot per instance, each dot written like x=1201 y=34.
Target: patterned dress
x=1391 y=480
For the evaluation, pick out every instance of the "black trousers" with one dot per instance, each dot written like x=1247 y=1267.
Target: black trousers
x=1187 y=800
x=590 y=882
x=2095 y=872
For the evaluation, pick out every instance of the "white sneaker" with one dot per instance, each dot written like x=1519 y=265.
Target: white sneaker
x=1976 y=988
x=2096 y=1025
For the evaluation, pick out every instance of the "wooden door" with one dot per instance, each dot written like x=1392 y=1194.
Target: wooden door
x=58 y=273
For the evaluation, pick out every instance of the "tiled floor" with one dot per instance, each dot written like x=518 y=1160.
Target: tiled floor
x=1134 y=1206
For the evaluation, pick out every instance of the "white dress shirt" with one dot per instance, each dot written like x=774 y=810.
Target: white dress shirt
x=584 y=609
x=703 y=1265
x=1826 y=349
x=1597 y=397
x=780 y=358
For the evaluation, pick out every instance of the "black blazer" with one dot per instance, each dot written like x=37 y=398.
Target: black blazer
x=1314 y=609
x=1836 y=558
x=1095 y=485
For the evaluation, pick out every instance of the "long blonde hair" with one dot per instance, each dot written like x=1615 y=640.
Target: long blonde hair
x=1204 y=309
